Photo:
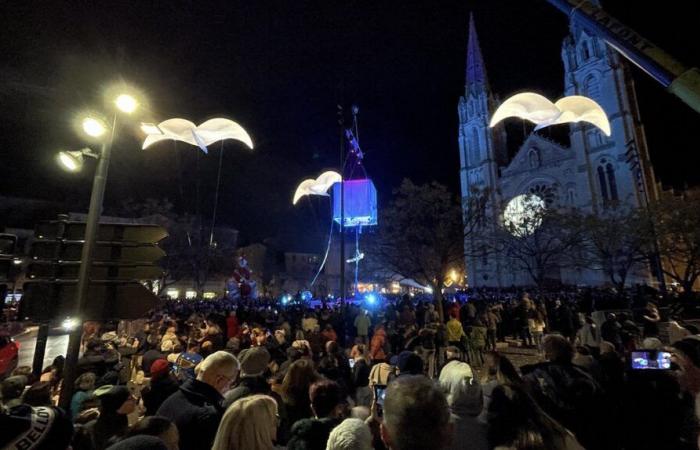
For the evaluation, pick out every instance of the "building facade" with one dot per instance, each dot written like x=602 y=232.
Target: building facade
x=592 y=173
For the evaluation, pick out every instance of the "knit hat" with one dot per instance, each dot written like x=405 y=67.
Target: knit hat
x=12 y=387
x=113 y=398
x=254 y=361
x=351 y=434
x=409 y=363
x=159 y=368
x=35 y=428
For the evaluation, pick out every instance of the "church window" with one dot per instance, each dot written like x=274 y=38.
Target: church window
x=585 y=52
x=571 y=197
x=534 y=158
x=595 y=139
x=610 y=170
x=544 y=191
x=474 y=146
x=591 y=88
x=603 y=184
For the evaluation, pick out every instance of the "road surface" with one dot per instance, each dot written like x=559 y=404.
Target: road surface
x=57 y=344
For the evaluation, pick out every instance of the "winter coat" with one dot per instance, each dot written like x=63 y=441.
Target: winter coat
x=157 y=392
x=311 y=434
x=248 y=386
x=196 y=410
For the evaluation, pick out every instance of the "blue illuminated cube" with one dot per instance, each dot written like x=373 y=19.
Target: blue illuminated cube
x=360 y=203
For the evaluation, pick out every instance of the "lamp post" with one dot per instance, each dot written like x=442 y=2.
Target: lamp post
x=94 y=129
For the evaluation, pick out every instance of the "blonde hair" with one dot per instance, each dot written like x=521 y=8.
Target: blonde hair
x=249 y=423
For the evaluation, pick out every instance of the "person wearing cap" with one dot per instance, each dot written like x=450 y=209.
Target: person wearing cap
x=161 y=386
x=11 y=390
x=196 y=408
x=409 y=363
x=116 y=403
x=254 y=361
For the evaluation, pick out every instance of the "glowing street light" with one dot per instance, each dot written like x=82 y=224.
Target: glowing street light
x=72 y=160
x=126 y=103
x=94 y=127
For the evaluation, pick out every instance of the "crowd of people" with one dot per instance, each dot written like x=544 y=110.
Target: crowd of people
x=402 y=375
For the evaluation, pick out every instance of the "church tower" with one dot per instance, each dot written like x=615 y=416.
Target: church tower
x=610 y=170
x=481 y=149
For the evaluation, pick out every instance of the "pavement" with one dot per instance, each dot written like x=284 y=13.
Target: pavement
x=57 y=344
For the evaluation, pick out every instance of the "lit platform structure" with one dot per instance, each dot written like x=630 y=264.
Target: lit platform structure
x=360 y=203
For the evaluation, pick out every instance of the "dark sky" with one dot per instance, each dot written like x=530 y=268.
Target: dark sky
x=279 y=68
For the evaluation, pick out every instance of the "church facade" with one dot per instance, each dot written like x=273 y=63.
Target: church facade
x=592 y=173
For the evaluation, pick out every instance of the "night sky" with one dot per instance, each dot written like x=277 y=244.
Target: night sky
x=279 y=68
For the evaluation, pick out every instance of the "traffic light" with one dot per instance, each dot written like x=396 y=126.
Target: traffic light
x=124 y=256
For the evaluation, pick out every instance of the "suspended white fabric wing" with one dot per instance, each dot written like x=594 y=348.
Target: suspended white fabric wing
x=319 y=186
x=202 y=136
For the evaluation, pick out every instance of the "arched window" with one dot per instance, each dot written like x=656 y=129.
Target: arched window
x=603 y=184
x=571 y=197
x=612 y=185
x=591 y=88
x=585 y=52
x=474 y=146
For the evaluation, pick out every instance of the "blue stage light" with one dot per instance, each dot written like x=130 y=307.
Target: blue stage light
x=306 y=296
x=371 y=298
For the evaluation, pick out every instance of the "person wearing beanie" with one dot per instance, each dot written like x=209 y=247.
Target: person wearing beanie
x=254 y=361
x=326 y=405
x=351 y=434
x=161 y=386
x=116 y=402
x=11 y=390
x=35 y=428
x=409 y=363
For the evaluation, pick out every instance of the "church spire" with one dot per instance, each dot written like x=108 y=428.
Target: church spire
x=476 y=71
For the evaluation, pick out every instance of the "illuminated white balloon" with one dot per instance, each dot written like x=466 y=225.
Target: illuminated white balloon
x=207 y=133
x=523 y=214
x=543 y=113
x=319 y=186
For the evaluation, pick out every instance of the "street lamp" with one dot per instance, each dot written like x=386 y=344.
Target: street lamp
x=95 y=128
x=72 y=160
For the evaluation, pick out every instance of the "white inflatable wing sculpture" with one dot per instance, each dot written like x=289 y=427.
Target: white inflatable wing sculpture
x=543 y=113
x=202 y=136
x=319 y=186
x=528 y=106
x=577 y=108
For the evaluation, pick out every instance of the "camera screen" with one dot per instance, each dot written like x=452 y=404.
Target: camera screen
x=654 y=360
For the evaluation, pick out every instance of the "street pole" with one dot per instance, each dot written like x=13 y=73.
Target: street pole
x=40 y=349
x=91 y=226
x=342 y=214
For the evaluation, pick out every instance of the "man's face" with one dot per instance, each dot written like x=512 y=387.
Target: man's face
x=223 y=380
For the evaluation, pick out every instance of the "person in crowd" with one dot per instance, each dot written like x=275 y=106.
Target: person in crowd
x=465 y=399
x=196 y=407
x=610 y=331
x=431 y=316
x=11 y=390
x=93 y=359
x=84 y=385
x=416 y=415
x=499 y=371
x=589 y=336
x=360 y=376
x=523 y=313
x=187 y=361
x=161 y=386
x=650 y=320
x=517 y=423
x=329 y=333
x=455 y=333
x=326 y=406
x=139 y=442
x=38 y=394
x=351 y=434
x=116 y=403
x=250 y=423
x=254 y=363
x=536 y=323
x=159 y=427
x=232 y=327
x=295 y=391
x=563 y=320
x=408 y=363
x=477 y=342
x=379 y=341
x=334 y=366
x=491 y=320
x=567 y=392
x=151 y=355
x=362 y=324
x=34 y=428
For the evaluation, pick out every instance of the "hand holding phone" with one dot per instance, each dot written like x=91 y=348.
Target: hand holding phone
x=650 y=360
x=379 y=397
x=351 y=362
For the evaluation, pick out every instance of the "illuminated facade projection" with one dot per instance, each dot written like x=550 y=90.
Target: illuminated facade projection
x=590 y=173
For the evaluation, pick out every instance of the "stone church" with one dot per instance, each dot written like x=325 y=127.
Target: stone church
x=592 y=173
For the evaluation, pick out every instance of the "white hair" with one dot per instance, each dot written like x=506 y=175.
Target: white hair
x=218 y=360
x=351 y=434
